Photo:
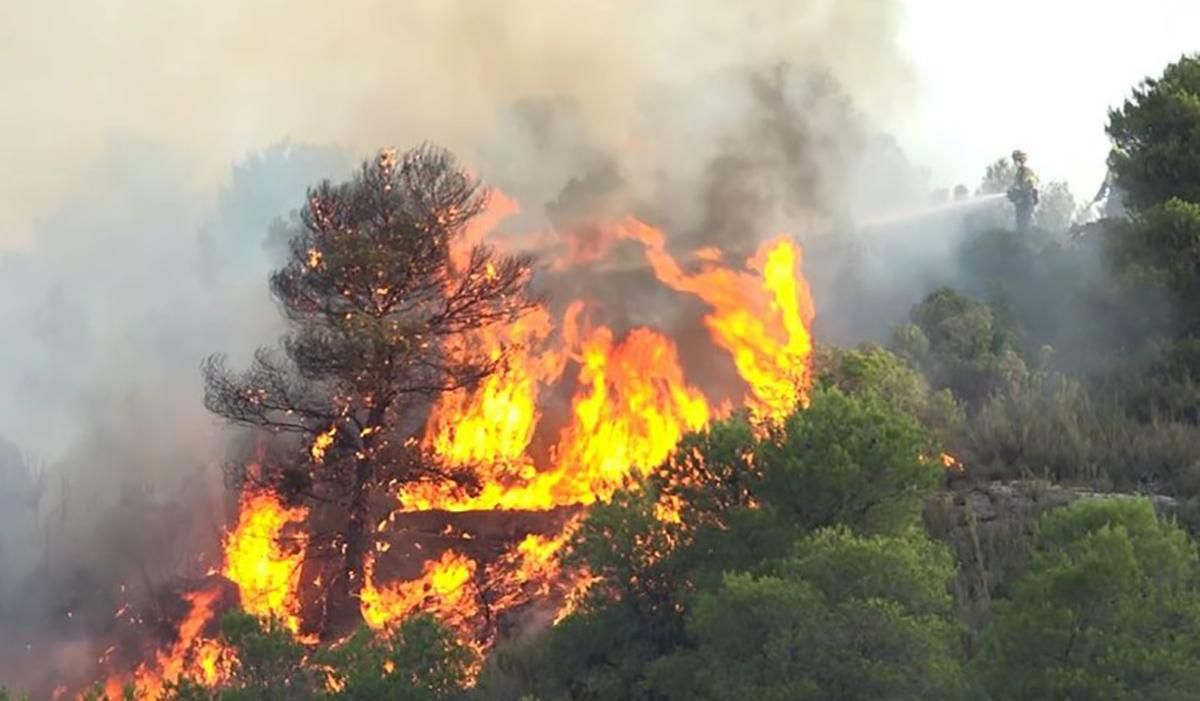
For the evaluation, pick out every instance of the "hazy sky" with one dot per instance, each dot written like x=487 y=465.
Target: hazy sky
x=1033 y=74
x=215 y=79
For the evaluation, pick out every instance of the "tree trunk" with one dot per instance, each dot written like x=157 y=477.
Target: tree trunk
x=342 y=610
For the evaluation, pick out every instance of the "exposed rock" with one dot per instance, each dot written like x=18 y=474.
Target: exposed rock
x=992 y=530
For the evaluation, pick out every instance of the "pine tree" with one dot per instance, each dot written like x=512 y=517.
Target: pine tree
x=378 y=284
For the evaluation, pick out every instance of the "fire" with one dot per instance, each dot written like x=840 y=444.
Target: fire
x=952 y=463
x=632 y=403
x=574 y=412
x=762 y=321
x=451 y=587
x=636 y=407
x=632 y=408
x=267 y=575
x=499 y=208
x=493 y=426
x=533 y=572
x=442 y=589
x=668 y=508
x=530 y=570
x=322 y=444
x=266 y=569
x=190 y=654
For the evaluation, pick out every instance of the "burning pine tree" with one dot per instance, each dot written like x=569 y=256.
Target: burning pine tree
x=381 y=275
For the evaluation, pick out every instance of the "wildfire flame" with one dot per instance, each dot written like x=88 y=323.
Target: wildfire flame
x=952 y=463
x=632 y=404
x=322 y=444
x=627 y=404
x=532 y=571
x=762 y=322
x=635 y=409
x=493 y=426
x=264 y=567
x=267 y=575
x=203 y=659
x=442 y=590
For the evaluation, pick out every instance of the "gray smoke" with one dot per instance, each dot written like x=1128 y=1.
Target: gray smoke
x=132 y=256
x=110 y=479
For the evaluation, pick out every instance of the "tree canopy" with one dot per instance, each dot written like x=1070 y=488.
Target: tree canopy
x=1156 y=138
x=1109 y=609
x=378 y=282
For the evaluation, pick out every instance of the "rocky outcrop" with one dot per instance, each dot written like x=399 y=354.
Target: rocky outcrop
x=992 y=530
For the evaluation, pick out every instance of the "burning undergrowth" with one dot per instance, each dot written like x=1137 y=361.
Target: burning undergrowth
x=644 y=179
x=669 y=299
x=582 y=399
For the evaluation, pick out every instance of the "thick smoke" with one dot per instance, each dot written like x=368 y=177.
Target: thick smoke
x=136 y=255
x=110 y=474
x=229 y=77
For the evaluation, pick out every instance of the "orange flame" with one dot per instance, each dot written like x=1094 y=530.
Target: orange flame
x=451 y=588
x=493 y=426
x=499 y=207
x=442 y=590
x=633 y=406
x=533 y=572
x=204 y=659
x=636 y=408
x=264 y=567
x=267 y=575
x=529 y=571
x=952 y=463
x=630 y=405
x=322 y=443
x=762 y=321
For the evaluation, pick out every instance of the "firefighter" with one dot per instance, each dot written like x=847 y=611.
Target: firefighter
x=1023 y=193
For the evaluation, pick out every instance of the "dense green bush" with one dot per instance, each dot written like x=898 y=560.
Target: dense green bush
x=1109 y=609
x=767 y=526
x=844 y=617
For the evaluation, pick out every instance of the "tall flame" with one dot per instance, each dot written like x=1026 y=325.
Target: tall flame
x=632 y=403
x=635 y=407
x=266 y=572
x=492 y=426
x=632 y=407
x=761 y=321
x=203 y=659
x=622 y=402
x=264 y=566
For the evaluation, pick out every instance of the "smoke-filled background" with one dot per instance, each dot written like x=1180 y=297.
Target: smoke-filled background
x=152 y=149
